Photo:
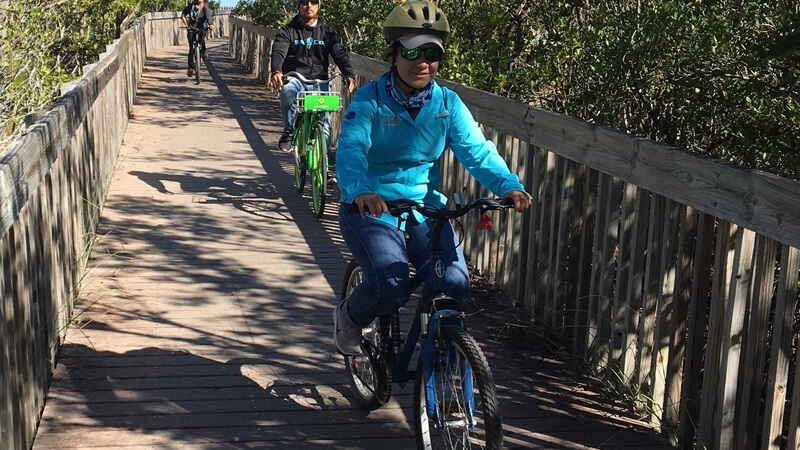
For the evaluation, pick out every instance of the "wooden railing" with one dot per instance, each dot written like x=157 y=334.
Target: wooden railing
x=674 y=275
x=53 y=183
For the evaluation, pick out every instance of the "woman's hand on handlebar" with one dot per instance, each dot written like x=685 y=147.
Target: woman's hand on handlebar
x=351 y=85
x=371 y=203
x=522 y=201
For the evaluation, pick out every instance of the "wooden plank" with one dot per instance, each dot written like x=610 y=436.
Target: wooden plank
x=680 y=317
x=604 y=266
x=584 y=240
x=755 y=344
x=790 y=290
x=696 y=332
x=538 y=201
x=508 y=264
x=545 y=220
x=561 y=242
x=551 y=283
x=733 y=335
x=721 y=285
x=647 y=323
x=38 y=282
x=24 y=329
x=780 y=353
x=8 y=438
x=491 y=237
x=665 y=298
x=628 y=298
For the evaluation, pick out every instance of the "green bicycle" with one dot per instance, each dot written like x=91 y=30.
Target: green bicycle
x=310 y=144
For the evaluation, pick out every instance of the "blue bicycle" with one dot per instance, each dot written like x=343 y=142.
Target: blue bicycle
x=455 y=398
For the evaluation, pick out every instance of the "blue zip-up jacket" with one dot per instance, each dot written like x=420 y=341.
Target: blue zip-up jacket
x=383 y=151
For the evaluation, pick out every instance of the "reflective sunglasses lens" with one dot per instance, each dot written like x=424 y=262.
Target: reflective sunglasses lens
x=433 y=54
x=411 y=54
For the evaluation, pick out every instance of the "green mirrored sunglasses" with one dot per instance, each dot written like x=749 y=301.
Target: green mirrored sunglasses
x=431 y=54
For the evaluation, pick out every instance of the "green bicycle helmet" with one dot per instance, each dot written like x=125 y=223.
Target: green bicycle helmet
x=416 y=17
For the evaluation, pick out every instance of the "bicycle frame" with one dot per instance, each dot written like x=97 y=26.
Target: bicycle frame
x=303 y=124
x=426 y=326
x=196 y=36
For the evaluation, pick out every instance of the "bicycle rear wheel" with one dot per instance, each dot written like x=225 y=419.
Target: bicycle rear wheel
x=460 y=370
x=369 y=374
x=298 y=145
x=196 y=62
x=319 y=171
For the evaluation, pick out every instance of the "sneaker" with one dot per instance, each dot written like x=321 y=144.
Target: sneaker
x=285 y=143
x=346 y=334
x=189 y=72
x=331 y=176
x=331 y=180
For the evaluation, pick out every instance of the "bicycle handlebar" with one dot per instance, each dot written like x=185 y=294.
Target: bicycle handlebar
x=398 y=207
x=305 y=81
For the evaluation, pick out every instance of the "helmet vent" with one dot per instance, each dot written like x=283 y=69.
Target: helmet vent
x=412 y=14
x=426 y=12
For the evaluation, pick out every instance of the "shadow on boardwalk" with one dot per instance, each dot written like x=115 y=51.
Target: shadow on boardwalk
x=205 y=321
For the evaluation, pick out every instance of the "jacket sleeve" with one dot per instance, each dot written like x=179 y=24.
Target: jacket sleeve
x=355 y=140
x=185 y=12
x=279 y=49
x=339 y=54
x=478 y=155
x=209 y=15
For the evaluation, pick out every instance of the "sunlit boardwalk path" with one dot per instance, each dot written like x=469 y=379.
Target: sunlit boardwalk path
x=205 y=320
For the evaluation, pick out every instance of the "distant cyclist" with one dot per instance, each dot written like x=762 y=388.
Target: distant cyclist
x=199 y=15
x=392 y=136
x=304 y=46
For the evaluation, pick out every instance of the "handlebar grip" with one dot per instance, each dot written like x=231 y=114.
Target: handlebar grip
x=507 y=202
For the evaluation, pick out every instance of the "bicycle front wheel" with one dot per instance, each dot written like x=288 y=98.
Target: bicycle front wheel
x=319 y=171
x=196 y=62
x=443 y=415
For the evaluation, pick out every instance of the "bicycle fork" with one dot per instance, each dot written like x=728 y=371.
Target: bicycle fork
x=437 y=357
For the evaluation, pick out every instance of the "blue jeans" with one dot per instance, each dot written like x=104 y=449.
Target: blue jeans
x=289 y=105
x=381 y=251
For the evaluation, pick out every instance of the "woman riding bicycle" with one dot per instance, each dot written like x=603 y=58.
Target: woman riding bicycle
x=392 y=135
x=200 y=16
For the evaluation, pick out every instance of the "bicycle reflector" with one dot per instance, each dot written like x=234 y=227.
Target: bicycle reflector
x=485 y=223
x=319 y=101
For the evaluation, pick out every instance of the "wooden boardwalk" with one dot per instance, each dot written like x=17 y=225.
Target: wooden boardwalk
x=205 y=321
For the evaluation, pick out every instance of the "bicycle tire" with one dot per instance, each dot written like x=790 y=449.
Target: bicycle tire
x=459 y=348
x=196 y=61
x=319 y=170
x=300 y=168
x=369 y=373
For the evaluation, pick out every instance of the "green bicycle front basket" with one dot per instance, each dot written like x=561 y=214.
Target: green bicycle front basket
x=318 y=101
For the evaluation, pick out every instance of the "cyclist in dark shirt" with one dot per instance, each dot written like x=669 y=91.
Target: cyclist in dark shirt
x=199 y=15
x=304 y=45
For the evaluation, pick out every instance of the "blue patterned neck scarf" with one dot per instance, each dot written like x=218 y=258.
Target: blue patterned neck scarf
x=407 y=101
